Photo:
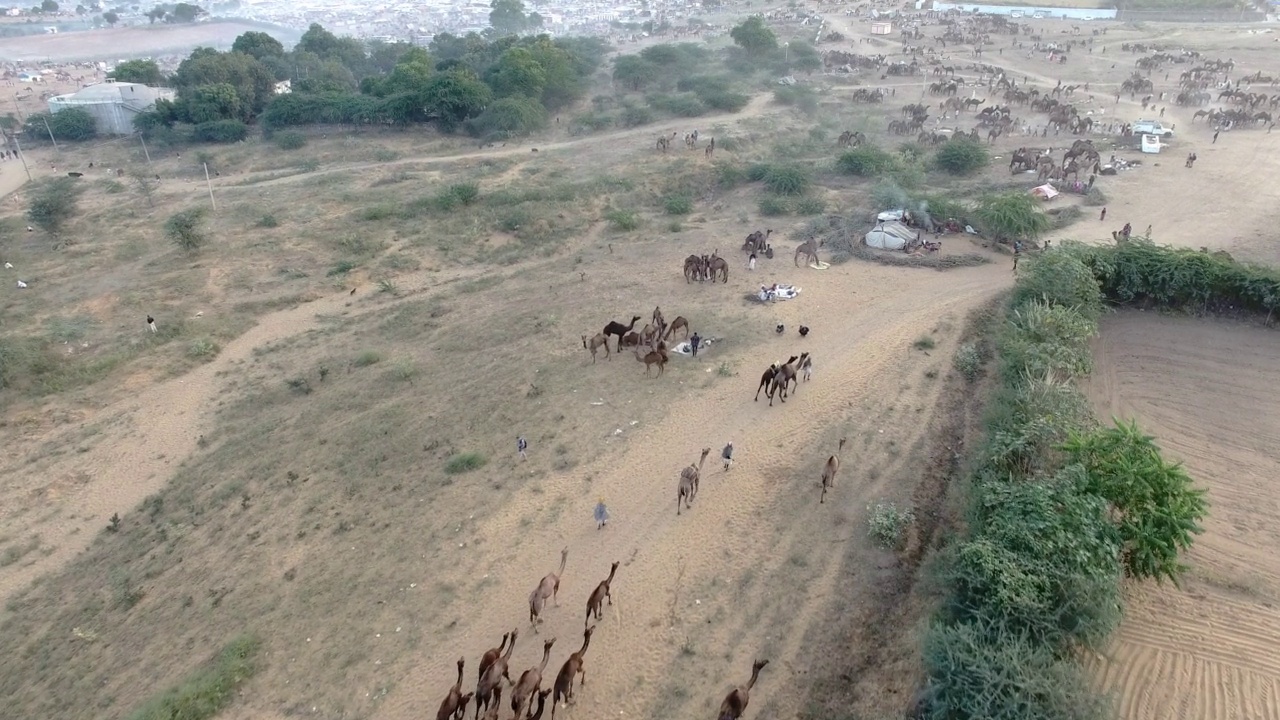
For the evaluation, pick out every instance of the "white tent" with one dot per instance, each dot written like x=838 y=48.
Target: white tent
x=890 y=236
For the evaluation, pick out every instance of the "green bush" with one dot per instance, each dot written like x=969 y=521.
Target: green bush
x=53 y=204
x=887 y=524
x=797 y=96
x=678 y=204
x=1152 y=500
x=787 y=179
x=865 y=161
x=730 y=174
x=220 y=131
x=464 y=463
x=772 y=206
x=810 y=206
x=623 y=220
x=962 y=156
x=757 y=171
x=290 y=140
x=1059 y=278
x=636 y=116
x=1048 y=341
x=209 y=689
x=1011 y=216
x=183 y=229
x=72 y=123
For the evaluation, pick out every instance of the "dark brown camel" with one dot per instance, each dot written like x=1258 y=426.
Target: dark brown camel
x=616 y=328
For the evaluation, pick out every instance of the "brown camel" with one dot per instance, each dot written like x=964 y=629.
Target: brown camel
x=600 y=594
x=718 y=265
x=766 y=379
x=454 y=705
x=616 y=328
x=549 y=587
x=529 y=683
x=653 y=357
x=491 y=713
x=659 y=321
x=689 y=477
x=650 y=335
x=542 y=704
x=631 y=339
x=829 y=472
x=735 y=703
x=810 y=250
x=490 y=655
x=489 y=689
x=563 y=689
x=676 y=324
x=595 y=344
x=784 y=375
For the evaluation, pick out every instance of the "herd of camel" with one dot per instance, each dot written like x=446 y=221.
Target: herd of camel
x=527 y=692
x=652 y=336
x=715 y=268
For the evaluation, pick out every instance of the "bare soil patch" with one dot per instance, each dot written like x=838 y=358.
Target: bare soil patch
x=127 y=42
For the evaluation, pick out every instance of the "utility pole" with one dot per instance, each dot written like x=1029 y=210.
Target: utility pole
x=46 y=127
x=210 y=184
x=16 y=107
x=22 y=157
x=144 y=148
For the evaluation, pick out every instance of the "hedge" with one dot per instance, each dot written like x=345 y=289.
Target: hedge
x=1061 y=509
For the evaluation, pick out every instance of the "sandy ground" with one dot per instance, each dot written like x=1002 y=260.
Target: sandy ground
x=125 y=42
x=1204 y=389
x=743 y=518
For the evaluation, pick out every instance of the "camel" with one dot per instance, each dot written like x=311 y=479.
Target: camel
x=491 y=713
x=563 y=689
x=795 y=372
x=530 y=682
x=616 y=328
x=688 y=487
x=601 y=593
x=658 y=320
x=735 y=703
x=766 y=379
x=782 y=376
x=653 y=357
x=489 y=689
x=695 y=268
x=595 y=344
x=829 y=472
x=454 y=705
x=757 y=241
x=718 y=264
x=542 y=703
x=676 y=324
x=810 y=250
x=548 y=587
x=650 y=334
x=490 y=655
x=631 y=339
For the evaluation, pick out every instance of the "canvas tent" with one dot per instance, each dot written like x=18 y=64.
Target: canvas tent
x=890 y=236
x=1045 y=192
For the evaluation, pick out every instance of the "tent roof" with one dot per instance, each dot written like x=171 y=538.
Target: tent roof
x=1046 y=191
x=894 y=229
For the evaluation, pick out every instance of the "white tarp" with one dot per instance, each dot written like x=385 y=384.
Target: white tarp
x=888 y=215
x=890 y=236
x=1151 y=144
x=1046 y=191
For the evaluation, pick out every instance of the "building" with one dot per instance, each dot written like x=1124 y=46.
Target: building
x=112 y=104
x=881 y=28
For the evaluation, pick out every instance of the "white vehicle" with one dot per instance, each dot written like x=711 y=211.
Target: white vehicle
x=1152 y=127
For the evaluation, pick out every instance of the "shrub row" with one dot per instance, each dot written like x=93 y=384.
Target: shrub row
x=1061 y=510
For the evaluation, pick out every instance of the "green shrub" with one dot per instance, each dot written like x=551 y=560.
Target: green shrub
x=290 y=140
x=981 y=670
x=72 y=123
x=924 y=342
x=464 y=463
x=1152 y=500
x=730 y=174
x=462 y=193
x=367 y=358
x=865 y=161
x=968 y=361
x=623 y=220
x=268 y=221
x=1059 y=278
x=771 y=206
x=810 y=206
x=800 y=97
x=206 y=691
x=678 y=204
x=183 y=229
x=962 y=156
x=887 y=524
x=220 y=131
x=1011 y=216
x=636 y=116
x=756 y=172
x=1048 y=341
x=53 y=203
x=787 y=179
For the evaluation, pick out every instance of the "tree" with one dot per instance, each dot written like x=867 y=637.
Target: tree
x=562 y=85
x=52 y=204
x=146 y=72
x=49 y=6
x=207 y=103
x=509 y=117
x=69 y=124
x=253 y=83
x=1153 y=502
x=754 y=37
x=111 y=18
x=507 y=17
x=257 y=45
x=634 y=72
x=1011 y=216
x=454 y=96
x=517 y=73
x=183 y=229
x=146 y=187
x=155 y=13
x=184 y=13
x=82 y=10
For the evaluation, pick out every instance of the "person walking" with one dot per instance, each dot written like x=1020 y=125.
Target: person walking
x=1017 y=253
x=601 y=514
x=727 y=455
x=1215 y=136
x=521 y=446
x=151 y=323
x=1103 y=216
x=694 y=342
x=751 y=261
